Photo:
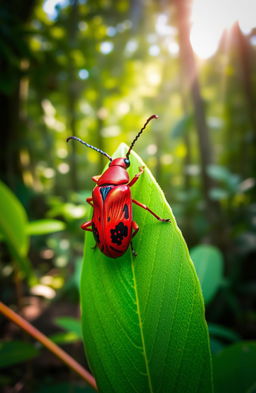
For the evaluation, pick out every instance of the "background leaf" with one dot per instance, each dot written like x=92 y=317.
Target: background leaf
x=182 y=126
x=70 y=324
x=65 y=388
x=13 y=222
x=216 y=345
x=220 y=336
x=234 y=368
x=143 y=318
x=44 y=226
x=208 y=262
x=223 y=333
x=64 y=338
x=13 y=352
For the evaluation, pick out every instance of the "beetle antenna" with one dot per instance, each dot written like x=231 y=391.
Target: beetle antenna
x=87 y=144
x=138 y=135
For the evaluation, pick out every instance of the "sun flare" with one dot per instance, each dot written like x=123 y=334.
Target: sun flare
x=210 y=18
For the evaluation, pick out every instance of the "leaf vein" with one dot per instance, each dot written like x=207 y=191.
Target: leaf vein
x=161 y=306
x=141 y=331
x=188 y=327
x=173 y=316
x=113 y=352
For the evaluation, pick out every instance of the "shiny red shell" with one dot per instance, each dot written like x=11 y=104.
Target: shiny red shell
x=112 y=210
x=112 y=223
x=112 y=219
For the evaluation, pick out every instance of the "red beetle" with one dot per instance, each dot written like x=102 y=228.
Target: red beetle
x=112 y=221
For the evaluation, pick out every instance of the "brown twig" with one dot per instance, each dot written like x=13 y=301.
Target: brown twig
x=51 y=346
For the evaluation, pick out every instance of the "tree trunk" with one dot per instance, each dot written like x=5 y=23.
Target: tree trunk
x=190 y=77
x=18 y=14
x=244 y=56
x=9 y=158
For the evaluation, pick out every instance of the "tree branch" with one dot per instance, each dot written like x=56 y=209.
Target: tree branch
x=51 y=346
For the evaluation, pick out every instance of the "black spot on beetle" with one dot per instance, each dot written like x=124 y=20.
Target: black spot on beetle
x=126 y=211
x=119 y=233
x=95 y=233
x=108 y=219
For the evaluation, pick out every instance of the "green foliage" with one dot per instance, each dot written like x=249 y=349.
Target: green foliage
x=15 y=229
x=234 y=368
x=13 y=221
x=228 y=182
x=208 y=262
x=220 y=336
x=97 y=69
x=14 y=352
x=64 y=388
x=70 y=324
x=13 y=224
x=64 y=338
x=69 y=211
x=182 y=126
x=142 y=318
x=216 y=345
x=223 y=333
x=44 y=226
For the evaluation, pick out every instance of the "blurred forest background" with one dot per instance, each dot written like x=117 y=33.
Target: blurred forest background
x=97 y=69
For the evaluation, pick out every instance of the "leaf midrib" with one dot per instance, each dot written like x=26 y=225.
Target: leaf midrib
x=139 y=310
x=141 y=329
x=106 y=374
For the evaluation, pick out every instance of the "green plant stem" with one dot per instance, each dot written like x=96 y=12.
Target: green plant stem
x=52 y=347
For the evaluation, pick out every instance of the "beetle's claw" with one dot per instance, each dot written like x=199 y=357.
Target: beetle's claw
x=134 y=253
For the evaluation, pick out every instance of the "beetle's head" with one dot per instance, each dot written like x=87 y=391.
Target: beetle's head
x=124 y=162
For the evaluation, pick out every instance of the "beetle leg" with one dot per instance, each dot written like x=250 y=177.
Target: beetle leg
x=96 y=178
x=89 y=200
x=134 y=253
x=86 y=226
x=135 y=227
x=141 y=168
x=150 y=211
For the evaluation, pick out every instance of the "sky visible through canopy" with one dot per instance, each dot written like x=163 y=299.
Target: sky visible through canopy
x=209 y=19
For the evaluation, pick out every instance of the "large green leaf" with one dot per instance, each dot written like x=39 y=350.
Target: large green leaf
x=13 y=222
x=208 y=262
x=235 y=368
x=143 y=317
